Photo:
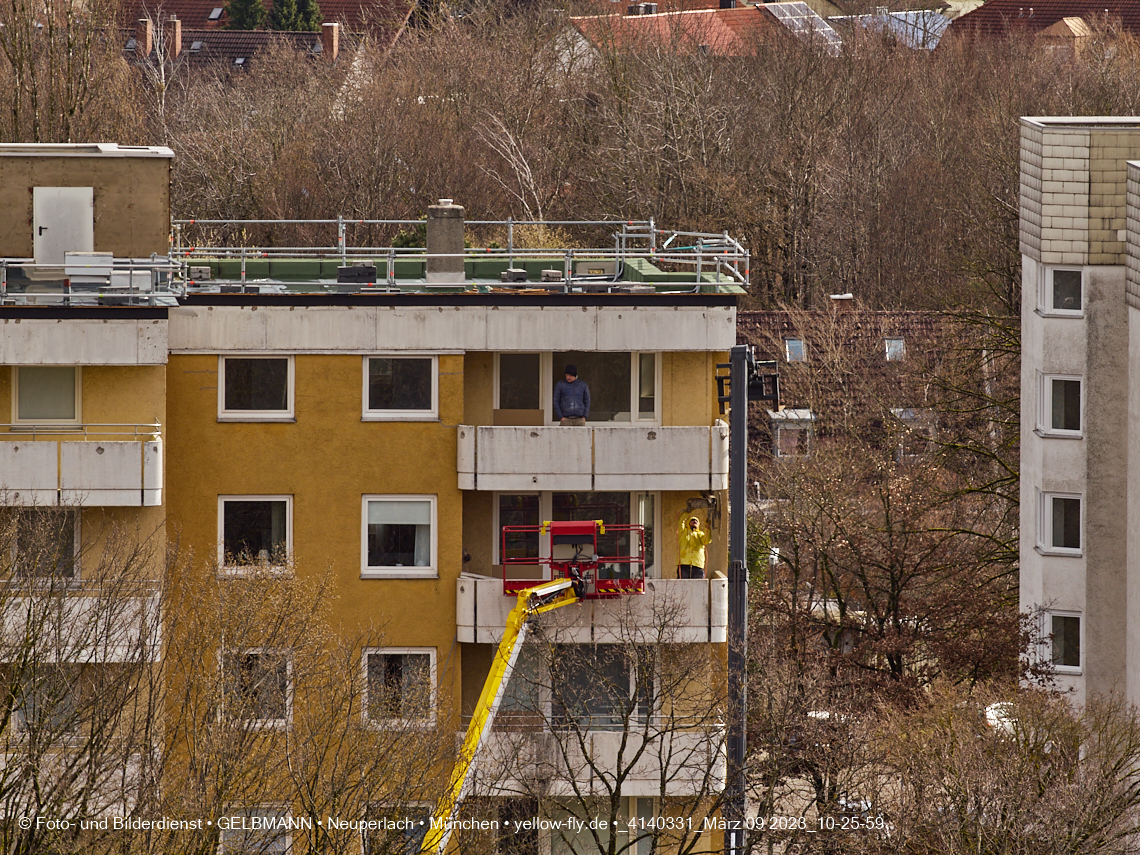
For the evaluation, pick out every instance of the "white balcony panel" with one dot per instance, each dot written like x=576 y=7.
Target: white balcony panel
x=671 y=611
x=29 y=473
x=558 y=765
x=630 y=457
x=543 y=328
x=83 y=627
x=43 y=341
x=85 y=474
x=649 y=327
x=653 y=458
x=533 y=458
x=101 y=473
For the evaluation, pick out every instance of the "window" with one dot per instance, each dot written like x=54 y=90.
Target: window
x=215 y=13
x=623 y=386
x=519 y=510
x=400 y=387
x=1061 y=405
x=258 y=687
x=46 y=395
x=917 y=432
x=255 y=831
x=1061 y=523
x=47 y=705
x=895 y=349
x=520 y=381
x=255 y=388
x=391 y=829
x=47 y=543
x=792 y=432
x=255 y=531
x=603 y=687
x=1062 y=292
x=516 y=837
x=399 y=685
x=794 y=350
x=1065 y=637
x=398 y=536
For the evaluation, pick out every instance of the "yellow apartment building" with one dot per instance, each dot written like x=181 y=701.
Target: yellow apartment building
x=376 y=420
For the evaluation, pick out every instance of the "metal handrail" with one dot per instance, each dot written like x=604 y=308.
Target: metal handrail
x=25 y=430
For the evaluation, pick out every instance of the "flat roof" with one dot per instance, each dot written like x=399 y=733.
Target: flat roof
x=83 y=150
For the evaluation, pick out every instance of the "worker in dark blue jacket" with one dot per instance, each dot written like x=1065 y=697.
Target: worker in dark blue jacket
x=571 y=399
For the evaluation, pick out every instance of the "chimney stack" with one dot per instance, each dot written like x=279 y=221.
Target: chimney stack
x=445 y=237
x=330 y=41
x=173 y=37
x=144 y=37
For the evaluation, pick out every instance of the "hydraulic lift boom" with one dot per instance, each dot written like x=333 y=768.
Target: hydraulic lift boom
x=531 y=601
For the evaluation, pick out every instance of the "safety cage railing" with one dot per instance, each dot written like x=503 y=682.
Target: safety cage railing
x=610 y=559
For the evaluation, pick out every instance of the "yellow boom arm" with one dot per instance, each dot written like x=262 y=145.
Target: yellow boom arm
x=532 y=601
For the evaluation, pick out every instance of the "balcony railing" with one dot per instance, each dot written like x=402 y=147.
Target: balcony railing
x=85 y=465
x=593 y=458
x=673 y=611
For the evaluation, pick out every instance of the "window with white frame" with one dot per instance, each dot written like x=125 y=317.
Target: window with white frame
x=258 y=686
x=255 y=532
x=47 y=701
x=623 y=385
x=400 y=686
x=1062 y=291
x=1064 y=631
x=612 y=507
x=1061 y=405
x=255 y=831
x=917 y=431
x=255 y=388
x=47 y=543
x=394 y=829
x=795 y=350
x=1061 y=523
x=792 y=432
x=895 y=349
x=601 y=687
x=398 y=536
x=46 y=394
x=401 y=387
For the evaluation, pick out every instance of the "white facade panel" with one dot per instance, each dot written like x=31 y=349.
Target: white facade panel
x=543 y=328
x=533 y=458
x=313 y=327
x=651 y=458
x=430 y=328
x=152 y=473
x=86 y=629
x=220 y=328
x=51 y=341
x=653 y=328
x=29 y=472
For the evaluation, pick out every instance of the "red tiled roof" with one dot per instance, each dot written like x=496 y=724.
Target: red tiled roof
x=228 y=46
x=726 y=32
x=999 y=17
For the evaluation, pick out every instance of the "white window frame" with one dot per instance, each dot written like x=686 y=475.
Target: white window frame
x=16 y=420
x=900 y=354
x=429 y=572
x=1048 y=636
x=1045 y=292
x=1045 y=411
x=260 y=723
x=547 y=392
x=792 y=419
x=427 y=723
x=239 y=569
x=244 y=813
x=429 y=415
x=77 y=550
x=788 y=350
x=1045 y=525
x=286 y=415
x=546 y=512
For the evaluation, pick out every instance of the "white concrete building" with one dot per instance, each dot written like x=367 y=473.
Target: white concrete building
x=1080 y=397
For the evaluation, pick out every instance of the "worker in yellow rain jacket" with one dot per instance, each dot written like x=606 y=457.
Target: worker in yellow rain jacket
x=693 y=540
